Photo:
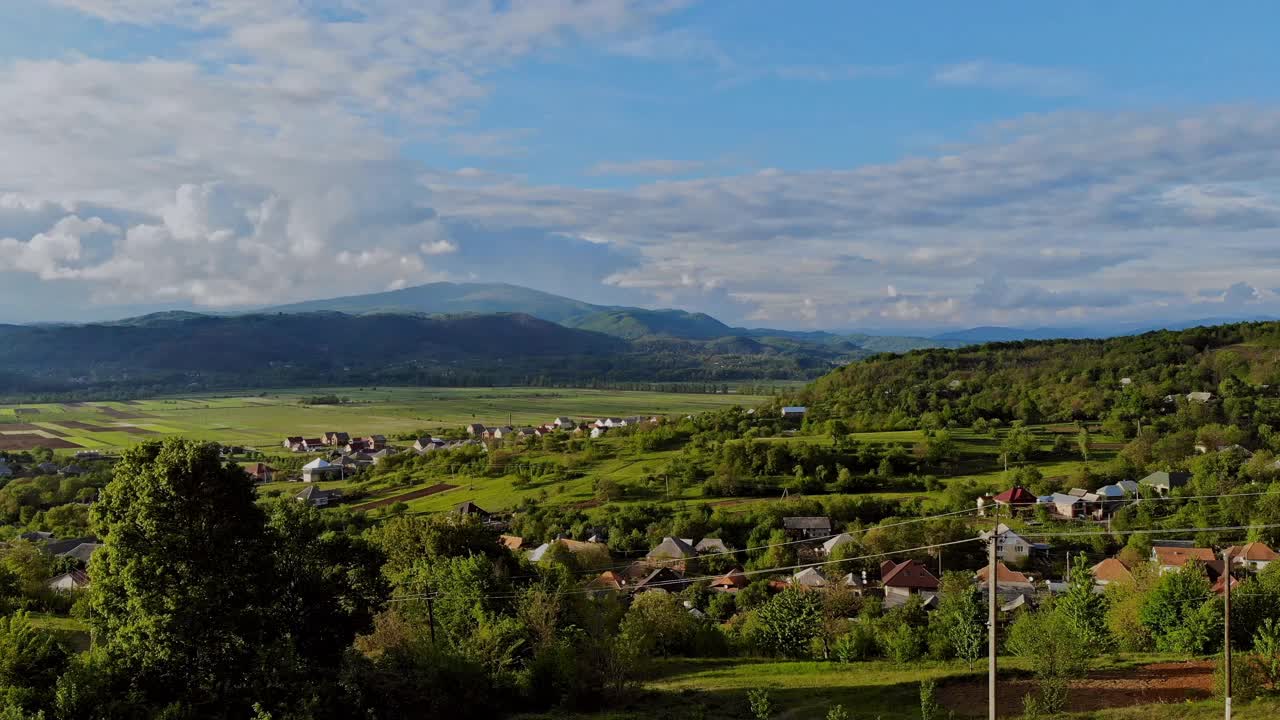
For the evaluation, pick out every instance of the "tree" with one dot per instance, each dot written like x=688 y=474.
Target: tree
x=959 y=617
x=181 y=580
x=1085 y=610
x=1055 y=651
x=658 y=624
x=1083 y=442
x=789 y=621
x=1178 y=611
x=30 y=663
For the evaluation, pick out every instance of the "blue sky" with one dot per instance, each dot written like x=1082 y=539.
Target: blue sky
x=821 y=164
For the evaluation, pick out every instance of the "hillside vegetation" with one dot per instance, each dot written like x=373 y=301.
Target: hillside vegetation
x=1062 y=380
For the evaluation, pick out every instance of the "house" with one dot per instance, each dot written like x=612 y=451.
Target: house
x=1203 y=448
x=320 y=469
x=336 y=438
x=427 y=444
x=1067 y=506
x=1199 y=397
x=1008 y=582
x=1020 y=601
x=1171 y=559
x=475 y=429
x=1165 y=482
x=88 y=455
x=1111 y=570
x=70 y=581
x=502 y=433
x=293 y=443
x=1010 y=546
x=469 y=508
x=355 y=446
x=312 y=444
x=71 y=470
x=1126 y=382
x=807 y=528
x=60 y=548
x=856 y=582
x=711 y=546
x=36 y=536
x=588 y=555
x=377 y=442
x=47 y=468
x=901 y=580
x=511 y=542
x=315 y=497
x=598 y=431
x=381 y=455
x=809 y=579
x=1111 y=495
x=730 y=582
x=526 y=432
x=794 y=412
x=81 y=553
x=1255 y=556
x=1220 y=586
x=1015 y=499
x=835 y=542
x=260 y=472
x=607 y=582
x=5 y=470
x=564 y=423
x=672 y=548
x=663 y=579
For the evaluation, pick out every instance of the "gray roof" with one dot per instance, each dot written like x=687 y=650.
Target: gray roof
x=671 y=547
x=807 y=523
x=1164 y=479
x=83 y=552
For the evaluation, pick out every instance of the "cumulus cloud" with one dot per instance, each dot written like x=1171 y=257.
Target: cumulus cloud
x=265 y=162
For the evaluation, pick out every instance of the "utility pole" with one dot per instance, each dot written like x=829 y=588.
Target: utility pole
x=431 y=619
x=991 y=616
x=1226 y=631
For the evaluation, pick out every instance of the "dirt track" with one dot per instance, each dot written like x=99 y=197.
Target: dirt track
x=384 y=502
x=1160 y=683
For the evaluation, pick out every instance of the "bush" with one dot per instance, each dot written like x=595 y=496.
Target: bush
x=1247 y=677
x=929 y=707
x=902 y=644
x=857 y=644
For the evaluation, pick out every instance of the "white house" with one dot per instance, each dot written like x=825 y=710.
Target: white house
x=1066 y=505
x=1255 y=556
x=319 y=469
x=1199 y=397
x=810 y=578
x=1010 y=546
x=70 y=581
x=794 y=412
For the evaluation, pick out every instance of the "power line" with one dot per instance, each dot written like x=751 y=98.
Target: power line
x=1149 y=531
x=688 y=581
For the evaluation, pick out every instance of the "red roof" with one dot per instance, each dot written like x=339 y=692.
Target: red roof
x=1016 y=495
x=910 y=574
x=732 y=580
x=1178 y=556
x=1111 y=570
x=1255 y=551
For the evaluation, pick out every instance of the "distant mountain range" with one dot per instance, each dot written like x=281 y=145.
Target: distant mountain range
x=628 y=323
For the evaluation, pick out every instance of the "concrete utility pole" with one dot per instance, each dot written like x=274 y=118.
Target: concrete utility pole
x=991 y=617
x=1226 y=630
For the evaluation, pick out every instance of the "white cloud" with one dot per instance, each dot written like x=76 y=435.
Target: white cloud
x=653 y=167
x=264 y=161
x=1013 y=77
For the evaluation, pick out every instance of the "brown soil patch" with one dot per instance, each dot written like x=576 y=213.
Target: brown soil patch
x=78 y=425
x=19 y=427
x=26 y=411
x=588 y=504
x=1173 y=682
x=23 y=441
x=406 y=497
x=121 y=414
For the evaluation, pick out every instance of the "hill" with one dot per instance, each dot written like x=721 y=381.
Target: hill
x=453 y=298
x=634 y=323
x=1063 y=380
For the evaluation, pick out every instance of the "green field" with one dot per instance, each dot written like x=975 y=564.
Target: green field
x=263 y=420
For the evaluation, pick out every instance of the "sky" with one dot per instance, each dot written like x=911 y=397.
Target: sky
x=813 y=164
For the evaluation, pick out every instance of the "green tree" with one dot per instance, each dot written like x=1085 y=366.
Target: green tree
x=1084 y=610
x=658 y=624
x=1054 y=650
x=181 y=581
x=30 y=663
x=789 y=621
x=1178 y=611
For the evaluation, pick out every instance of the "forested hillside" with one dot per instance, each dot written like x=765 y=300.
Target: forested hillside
x=1063 y=380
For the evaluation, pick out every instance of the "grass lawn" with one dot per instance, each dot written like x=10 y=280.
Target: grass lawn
x=717 y=690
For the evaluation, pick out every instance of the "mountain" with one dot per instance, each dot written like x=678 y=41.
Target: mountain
x=453 y=298
x=635 y=323
x=987 y=334
x=181 y=351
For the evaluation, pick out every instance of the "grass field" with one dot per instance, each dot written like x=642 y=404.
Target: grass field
x=263 y=420
x=717 y=690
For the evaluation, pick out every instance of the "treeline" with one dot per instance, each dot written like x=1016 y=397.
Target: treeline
x=1063 y=381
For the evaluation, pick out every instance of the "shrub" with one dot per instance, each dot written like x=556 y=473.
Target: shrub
x=1247 y=677
x=902 y=644
x=857 y=644
x=761 y=707
x=929 y=708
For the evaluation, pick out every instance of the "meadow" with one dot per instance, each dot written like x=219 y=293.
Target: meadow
x=263 y=420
